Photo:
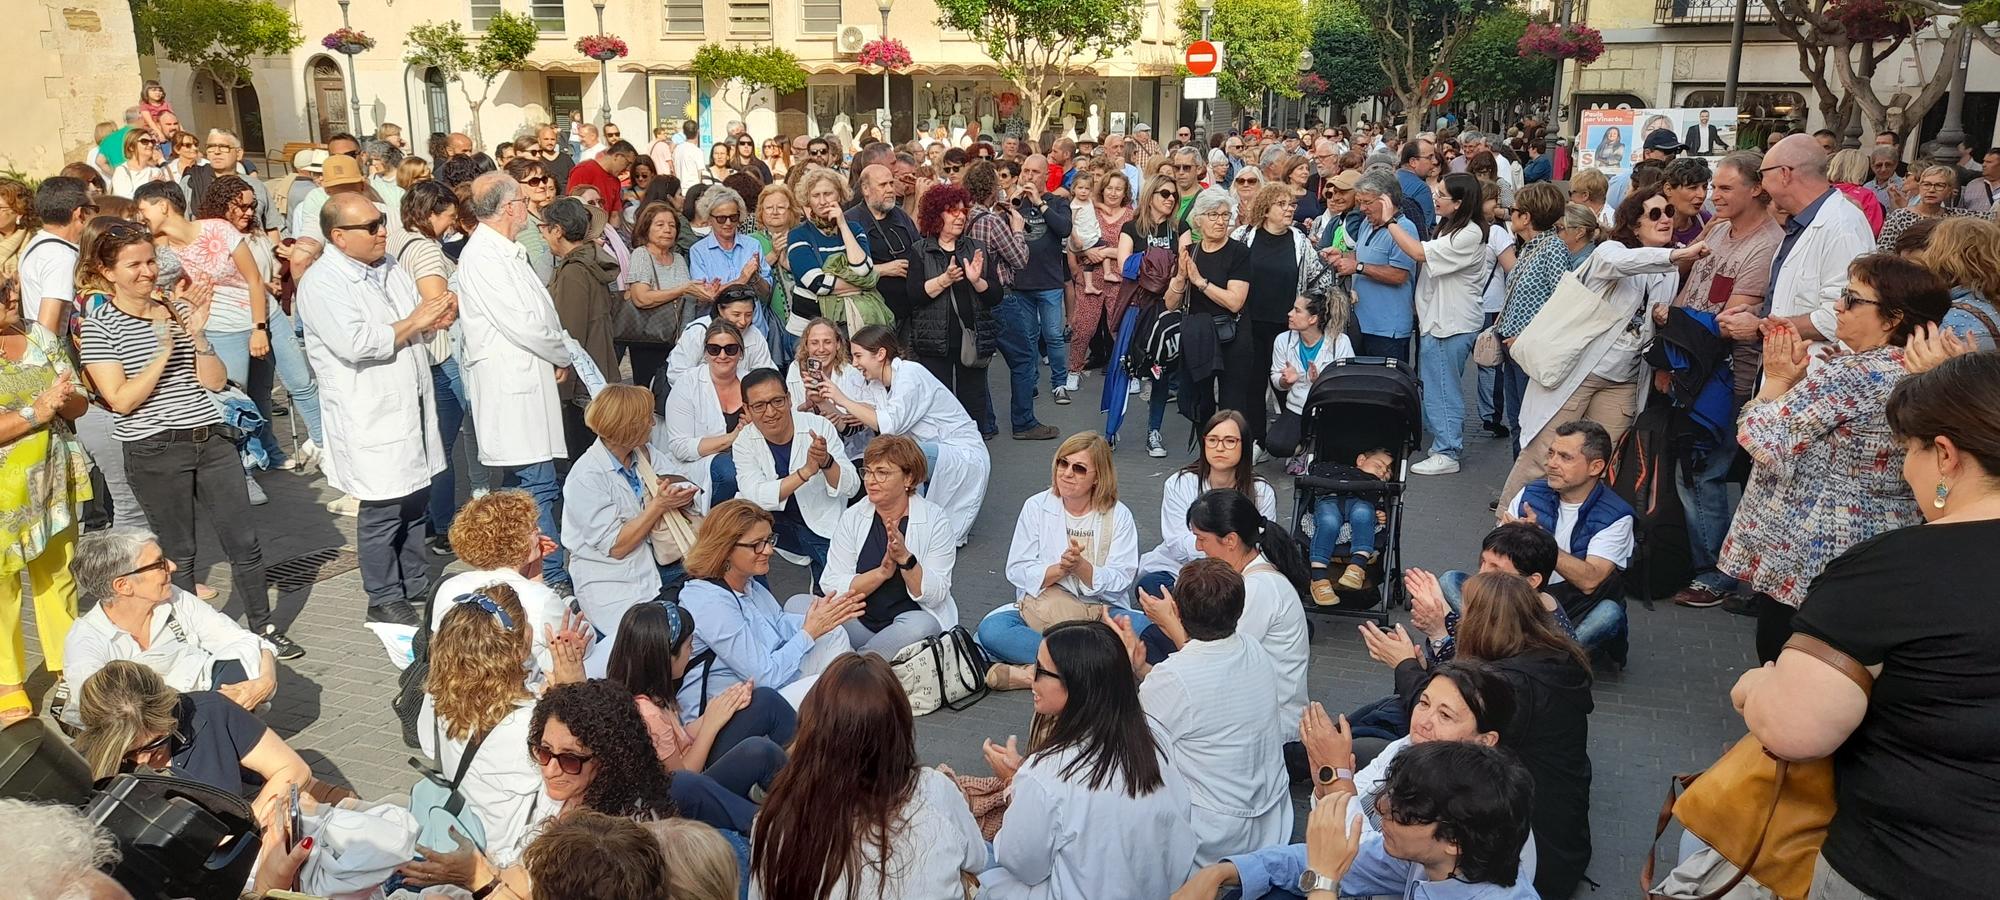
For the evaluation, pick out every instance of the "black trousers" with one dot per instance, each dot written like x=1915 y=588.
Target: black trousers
x=389 y=535
x=1774 y=627
x=172 y=474
x=1251 y=387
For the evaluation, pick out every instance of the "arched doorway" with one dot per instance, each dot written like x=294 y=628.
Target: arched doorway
x=249 y=119
x=327 y=90
x=437 y=103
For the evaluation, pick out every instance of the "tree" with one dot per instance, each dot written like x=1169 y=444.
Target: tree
x=1345 y=53
x=1261 y=42
x=503 y=47
x=1036 y=43
x=1420 y=38
x=215 y=37
x=1490 y=68
x=1848 y=39
x=750 y=69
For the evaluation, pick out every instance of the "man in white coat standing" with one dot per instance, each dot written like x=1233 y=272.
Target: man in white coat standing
x=365 y=327
x=1826 y=231
x=514 y=357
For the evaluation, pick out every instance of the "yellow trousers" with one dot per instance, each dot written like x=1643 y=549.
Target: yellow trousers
x=55 y=609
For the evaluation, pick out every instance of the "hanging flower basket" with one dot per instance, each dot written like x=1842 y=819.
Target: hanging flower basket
x=601 y=47
x=1312 y=84
x=888 y=53
x=1877 y=20
x=347 y=41
x=1542 y=40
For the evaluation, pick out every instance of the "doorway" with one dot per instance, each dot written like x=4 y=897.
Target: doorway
x=328 y=91
x=565 y=97
x=249 y=119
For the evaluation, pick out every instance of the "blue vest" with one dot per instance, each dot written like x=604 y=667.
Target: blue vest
x=1600 y=510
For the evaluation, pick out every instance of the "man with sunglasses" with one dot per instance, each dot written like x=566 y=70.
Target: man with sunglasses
x=365 y=333
x=1188 y=170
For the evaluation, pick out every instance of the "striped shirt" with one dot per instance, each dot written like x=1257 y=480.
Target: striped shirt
x=179 y=401
x=806 y=254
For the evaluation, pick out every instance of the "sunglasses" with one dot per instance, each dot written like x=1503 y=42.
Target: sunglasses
x=1187 y=168
x=1848 y=299
x=723 y=349
x=731 y=218
x=1073 y=468
x=1657 y=213
x=952 y=170
x=763 y=546
x=537 y=181
x=1167 y=194
x=131 y=756
x=1247 y=181
x=160 y=565
x=570 y=763
x=372 y=226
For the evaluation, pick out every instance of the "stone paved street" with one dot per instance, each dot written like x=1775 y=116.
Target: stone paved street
x=1668 y=712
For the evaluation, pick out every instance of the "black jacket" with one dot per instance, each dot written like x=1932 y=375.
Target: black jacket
x=889 y=238
x=934 y=322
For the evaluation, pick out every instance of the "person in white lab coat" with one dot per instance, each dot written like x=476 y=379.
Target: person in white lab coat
x=365 y=328
x=806 y=501
x=609 y=513
x=822 y=355
x=917 y=405
x=514 y=355
x=1100 y=807
x=1223 y=463
x=738 y=307
x=897 y=550
x=704 y=418
x=1216 y=703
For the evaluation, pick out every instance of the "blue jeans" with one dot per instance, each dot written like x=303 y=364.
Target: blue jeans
x=453 y=407
x=1008 y=639
x=1709 y=511
x=539 y=480
x=1396 y=348
x=1441 y=365
x=1489 y=381
x=255 y=377
x=293 y=369
x=1331 y=512
x=795 y=536
x=1602 y=623
x=1030 y=320
x=1514 y=384
x=722 y=478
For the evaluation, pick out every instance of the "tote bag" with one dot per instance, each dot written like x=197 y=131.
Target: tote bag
x=1549 y=348
x=943 y=671
x=673 y=536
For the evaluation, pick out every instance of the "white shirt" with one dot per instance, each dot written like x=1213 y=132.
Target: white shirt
x=1176 y=547
x=1041 y=536
x=1450 y=294
x=1613 y=543
x=1274 y=617
x=932 y=839
x=513 y=345
x=1815 y=271
x=1062 y=840
x=597 y=502
x=48 y=274
x=125 y=179
x=1498 y=241
x=184 y=640
x=821 y=502
x=688 y=352
x=1217 y=704
x=930 y=537
x=1285 y=351
x=503 y=786
x=693 y=412
x=541 y=605
x=689 y=161
x=375 y=396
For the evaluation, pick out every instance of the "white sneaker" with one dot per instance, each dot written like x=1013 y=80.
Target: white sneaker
x=308 y=457
x=1142 y=387
x=347 y=505
x=1436 y=464
x=1075 y=381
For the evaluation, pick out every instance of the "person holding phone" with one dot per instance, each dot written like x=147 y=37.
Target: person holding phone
x=612 y=501
x=822 y=357
x=793 y=465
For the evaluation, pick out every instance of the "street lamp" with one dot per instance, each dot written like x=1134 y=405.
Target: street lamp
x=882 y=118
x=353 y=93
x=603 y=72
x=1944 y=150
x=1201 y=106
x=1305 y=65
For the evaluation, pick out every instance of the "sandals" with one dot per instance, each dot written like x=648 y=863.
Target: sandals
x=1004 y=677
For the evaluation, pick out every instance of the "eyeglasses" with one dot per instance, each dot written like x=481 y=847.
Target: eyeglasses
x=222 y=146
x=1045 y=673
x=1074 y=468
x=880 y=473
x=730 y=218
x=372 y=226
x=147 y=142
x=570 y=763
x=1187 y=168
x=763 y=546
x=147 y=747
x=761 y=407
x=722 y=349
x=1658 y=212
x=160 y=564
x=1849 y=299
x=1222 y=441
x=1771 y=169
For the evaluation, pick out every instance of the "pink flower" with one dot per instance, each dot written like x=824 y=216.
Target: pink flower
x=888 y=53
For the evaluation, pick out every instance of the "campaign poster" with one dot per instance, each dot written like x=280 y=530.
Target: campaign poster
x=1612 y=140
x=1606 y=140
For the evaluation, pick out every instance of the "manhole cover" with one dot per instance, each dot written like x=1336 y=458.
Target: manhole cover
x=311 y=568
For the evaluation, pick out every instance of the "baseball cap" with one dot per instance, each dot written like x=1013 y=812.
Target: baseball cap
x=340 y=170
x=1663 y=139
x=1346 y=180
x=309 y=160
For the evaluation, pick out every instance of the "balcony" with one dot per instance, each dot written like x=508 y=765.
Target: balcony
x=1706 y=12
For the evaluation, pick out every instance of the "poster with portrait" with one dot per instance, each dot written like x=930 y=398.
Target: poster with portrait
x=1605 y=140
x=1612 y=140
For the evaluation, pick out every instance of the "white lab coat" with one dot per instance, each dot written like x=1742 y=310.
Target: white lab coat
x=1285 y=351
x=693 y=412
x=820 y=502
x=1176 y=547
x=687 y=355
x=1274 y=617
x=597 y=502
x=919 y=406
x=503 y=786
x=1041 y=535
x=375 y=396
x=513 y=347
x=1062 y=840
x=1815 y=272
x=852 y=383
x=1217 y=704
x=930 y=538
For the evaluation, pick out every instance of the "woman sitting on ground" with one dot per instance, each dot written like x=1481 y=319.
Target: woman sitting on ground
x=856 y=815
x=703 y=416
x=1225 y=462
x=702 y=863
x=1074 y=554
x=607 y=526
x=896 y=550
x=822 y=356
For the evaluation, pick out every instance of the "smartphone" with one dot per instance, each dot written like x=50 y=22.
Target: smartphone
x=812 y=366
x=296 y=822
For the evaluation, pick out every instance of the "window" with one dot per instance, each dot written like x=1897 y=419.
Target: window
x=683 y=16
x=819 y=16
x=482 y=13
x=1704 y=12
x=548 y=14
x=750 y=18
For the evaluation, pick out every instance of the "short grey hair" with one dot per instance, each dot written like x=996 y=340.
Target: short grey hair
x=1379 y=182
x=1210 y=200
x=1188 y=151
x=1471 y=137
x=103 y=556
x=1382 y=160
x=54 y=847
x=227 y=137
x=718 y=195
x=1749 y=165
x=491 y=193
x=1892 y=153
x=383 y=152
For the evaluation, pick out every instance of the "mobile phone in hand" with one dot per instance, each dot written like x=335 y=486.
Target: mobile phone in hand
x=295 y=821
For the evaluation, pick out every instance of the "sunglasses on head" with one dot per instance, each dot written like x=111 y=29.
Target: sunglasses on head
x=372 y=226
x=570 y=763
x=722 y=349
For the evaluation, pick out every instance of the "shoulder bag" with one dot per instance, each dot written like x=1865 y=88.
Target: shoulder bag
x=1549 y=349
x=659 y=325
x=1054 y=604
x=1486 y=347
x=1766 y=816
x=942 y=671
x=437 y=804
x=673 y=536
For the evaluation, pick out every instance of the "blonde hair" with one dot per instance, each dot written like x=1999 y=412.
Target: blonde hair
x=1848 y=166
x=621 y=414
x=778 y=189
x=724 y=525
x=700 y=863
x=840 y=360
x=495 y=531
x=1577 y=215
x=1591 y=183
x=811 y=180
x=1103 y=492
x=475 y=676
x=120 y=704
x=1266 y=197
x=1965 y=252
x=412 y=170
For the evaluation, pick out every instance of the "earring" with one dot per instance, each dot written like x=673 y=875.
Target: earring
x=1942 y=492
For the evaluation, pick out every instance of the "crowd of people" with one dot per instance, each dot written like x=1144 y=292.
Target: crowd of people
x=618 y=387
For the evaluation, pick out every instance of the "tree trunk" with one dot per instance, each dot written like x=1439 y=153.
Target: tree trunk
x=1414 y=104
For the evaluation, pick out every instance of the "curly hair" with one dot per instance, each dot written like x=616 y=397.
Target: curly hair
x=475 y=675
x=936 y=202
x=495 y=531
x=600 y=714
x=981 y=180
x=214 y=202
x=21 y=199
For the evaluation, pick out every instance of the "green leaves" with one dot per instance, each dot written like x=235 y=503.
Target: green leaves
x=1034 y=42
x=503 y=47
x=1346 y=52
x=1489 y=65
x=216 y=36
x=755 y=68
x=1261 y=42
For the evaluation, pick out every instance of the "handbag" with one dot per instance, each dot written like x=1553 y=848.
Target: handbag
x=437 y=804
x=1225 y=327
x=1549 y=349
x=1054 y=606
x=1766 y=816
x=942 y=671
x=673 y=536
x=1486 y=348
x=1316 y=278
x=659 y=325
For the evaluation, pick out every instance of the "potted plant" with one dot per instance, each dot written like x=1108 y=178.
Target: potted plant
x=601 y=47
x=347 y=41
x=888 y=53
x=1543 y=40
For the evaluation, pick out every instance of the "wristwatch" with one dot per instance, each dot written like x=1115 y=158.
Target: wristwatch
x=263 y=327
x=28 y=412
x=1310 y=881
x=906 y=566
x=1329 y=774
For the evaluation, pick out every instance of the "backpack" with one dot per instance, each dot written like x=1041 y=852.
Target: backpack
x=1642 y=472
x=439 y=807
x=1156 y=343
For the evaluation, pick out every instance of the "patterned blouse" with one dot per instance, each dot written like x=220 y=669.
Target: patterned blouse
x=44 y=476
x=1828 y=474
x=1543 y=262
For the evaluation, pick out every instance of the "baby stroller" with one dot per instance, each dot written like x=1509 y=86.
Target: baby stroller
x=1357 y=405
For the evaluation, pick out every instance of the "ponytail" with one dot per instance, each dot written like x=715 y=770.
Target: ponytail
x=1224 y=512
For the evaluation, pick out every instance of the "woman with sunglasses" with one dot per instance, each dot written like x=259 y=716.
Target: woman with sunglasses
x=131 y=719
x=704 y=414
x=141 y=165
x=777 y=156
x=1634 y=271
x=1099 y=807
x=150 y=360
x=233 y=199
x=187 y=155
x=1243 y=191
x=1154 y=227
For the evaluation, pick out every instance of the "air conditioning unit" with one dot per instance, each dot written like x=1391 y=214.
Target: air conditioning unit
x=851 y=38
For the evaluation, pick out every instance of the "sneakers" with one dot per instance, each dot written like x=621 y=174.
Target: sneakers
x=348 y=505
x=306 y=460
x=1075 y=381
x=1436 y=464
x=1698 y=596
x=1044 y=432
x=440 y=544
x=1156 y=446
x=1354 y=577
x=394 y=612
x=257 y=496
x=1062 y=396
x=1495 y=429
x=1323 y=594
x=284 y=647
x=1141 y=387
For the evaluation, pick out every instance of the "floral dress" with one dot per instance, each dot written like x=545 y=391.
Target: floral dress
x=44 y=475
x=1828 y=474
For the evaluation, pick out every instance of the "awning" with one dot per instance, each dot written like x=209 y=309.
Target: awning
x=946 y=70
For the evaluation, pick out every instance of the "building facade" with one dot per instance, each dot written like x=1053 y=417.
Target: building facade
x=52 y=111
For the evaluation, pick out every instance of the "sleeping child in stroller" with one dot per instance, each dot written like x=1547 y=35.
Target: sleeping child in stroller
x=1359 y=514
